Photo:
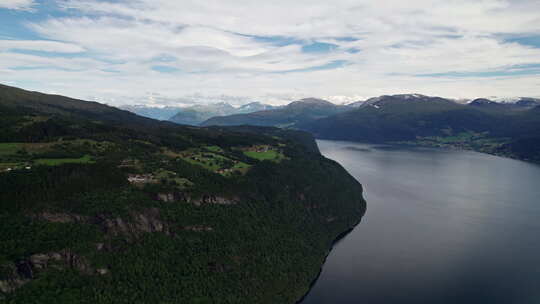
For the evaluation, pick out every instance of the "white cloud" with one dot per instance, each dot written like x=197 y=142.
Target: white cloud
x=211 y=46
x=17 y=4
x=40 y=45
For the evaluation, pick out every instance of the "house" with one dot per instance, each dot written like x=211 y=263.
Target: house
x=141 y=178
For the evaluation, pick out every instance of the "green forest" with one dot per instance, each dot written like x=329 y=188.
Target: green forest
x=102 y=206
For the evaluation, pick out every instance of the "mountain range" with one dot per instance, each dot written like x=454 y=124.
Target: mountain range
x=158 y=113
x=298 y=111
x=196 y=114
x=510 y=128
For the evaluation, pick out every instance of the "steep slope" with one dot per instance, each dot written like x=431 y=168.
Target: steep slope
x=100 y=211
x=523 y=131
x=36 y=102
x=394 y=118
x=296 y=112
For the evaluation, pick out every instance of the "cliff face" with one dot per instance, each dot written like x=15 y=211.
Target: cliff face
x=276 y=230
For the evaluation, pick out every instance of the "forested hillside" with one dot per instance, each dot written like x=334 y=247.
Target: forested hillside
x=99 y=205
x=511 y=130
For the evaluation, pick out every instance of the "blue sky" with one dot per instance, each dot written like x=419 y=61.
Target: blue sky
x=163 y=52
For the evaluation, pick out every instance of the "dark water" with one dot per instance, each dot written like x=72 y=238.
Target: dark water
x=441 y=227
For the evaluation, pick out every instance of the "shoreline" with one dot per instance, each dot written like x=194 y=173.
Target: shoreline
x=336 y=240
x=448 y=147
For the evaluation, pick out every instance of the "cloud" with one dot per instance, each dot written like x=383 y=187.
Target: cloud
x=40 y=45
x=280 y=50
x=17 y=4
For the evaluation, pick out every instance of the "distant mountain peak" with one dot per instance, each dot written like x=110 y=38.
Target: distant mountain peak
x=410 y=96
x=312 y=102
x=483 y=102
x=251 y=103
x=518 y=103
x=528 y=102
x=194 y=115
x=254 y=104
x=401 y=98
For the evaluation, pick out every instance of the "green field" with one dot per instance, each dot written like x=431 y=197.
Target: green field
x=60 y=161
x=213 y=161
x=171 y=177
x=9 y=148
x=209 y=161
x=241 y=167
x=214 y=149
x=268 y=155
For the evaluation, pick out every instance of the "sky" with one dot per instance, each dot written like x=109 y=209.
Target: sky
x=180 y=52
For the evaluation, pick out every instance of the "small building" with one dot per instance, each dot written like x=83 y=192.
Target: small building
x=141 y=178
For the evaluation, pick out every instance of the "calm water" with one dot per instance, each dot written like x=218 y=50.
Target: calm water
x=441 y=227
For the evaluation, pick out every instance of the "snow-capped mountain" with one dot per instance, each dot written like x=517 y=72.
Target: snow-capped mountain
x=254 y=107
x=159 y=113
x=194 y=115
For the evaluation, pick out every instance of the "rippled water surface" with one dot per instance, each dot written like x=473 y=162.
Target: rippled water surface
x=441 y=227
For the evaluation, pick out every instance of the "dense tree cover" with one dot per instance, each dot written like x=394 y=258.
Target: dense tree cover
x=119 y=242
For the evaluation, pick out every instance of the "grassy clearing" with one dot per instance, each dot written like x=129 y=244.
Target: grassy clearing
x=214 y=149
x=9 y=148
x=92 y=146
x=209 y=161
x=212 y=161
x=459 y=138
x=266 y=155
x=241 y=167
x=60 y=161
x=172 y=178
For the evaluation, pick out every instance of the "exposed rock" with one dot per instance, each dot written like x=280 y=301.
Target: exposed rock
x=11 y=279
x=15 y=275
x=40 y=261
x=141 y=179
x=209 y=199
x=166 y=197
x=102 y=271
x=148 y=220
x=62 y=217
x=199 y=228
x=212 y=200
x=60 y=259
